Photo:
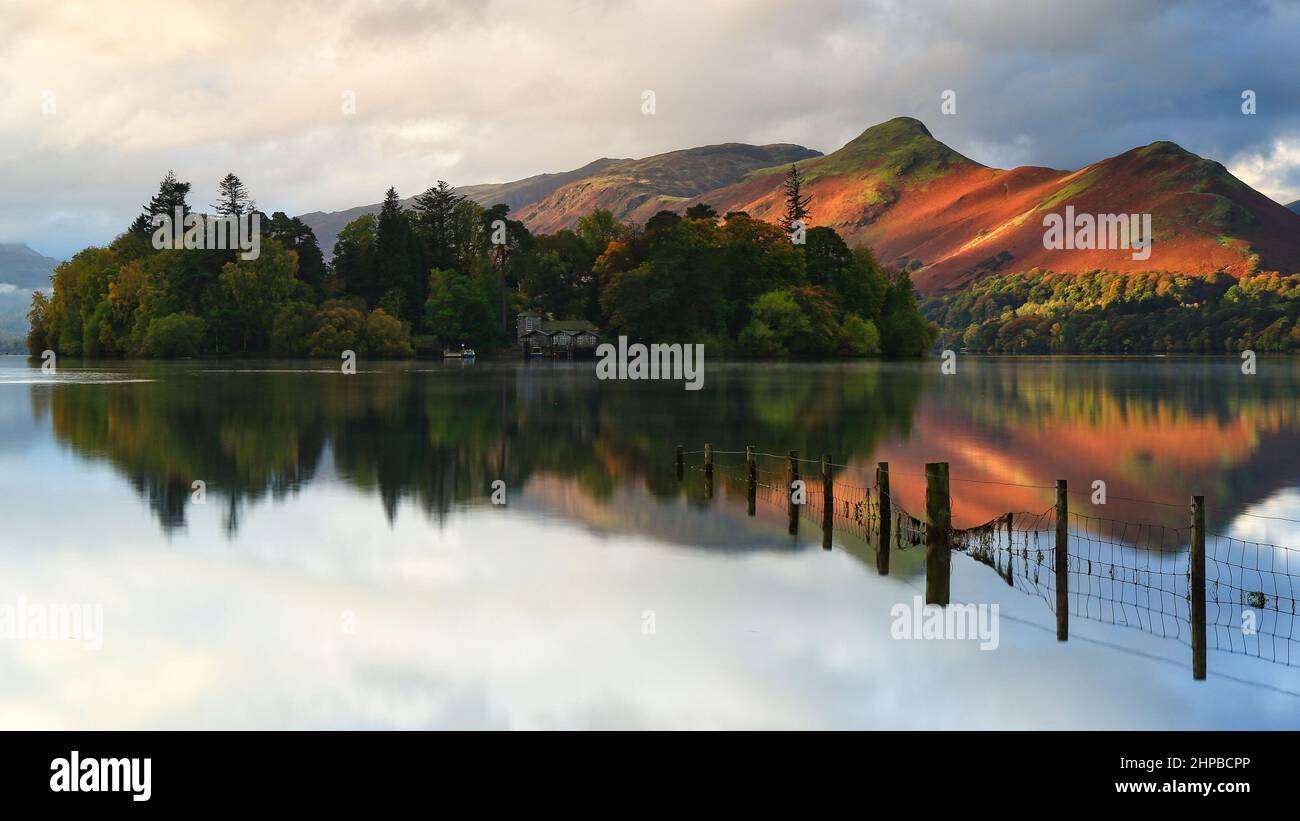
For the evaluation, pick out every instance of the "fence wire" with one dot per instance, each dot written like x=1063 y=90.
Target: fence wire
x=1129 y=574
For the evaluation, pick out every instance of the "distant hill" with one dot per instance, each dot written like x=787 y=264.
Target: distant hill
x=326 y=225
x=1295 y=206
x=22 y=267
x=636 y=189
x=21 y=271
x=547 y=202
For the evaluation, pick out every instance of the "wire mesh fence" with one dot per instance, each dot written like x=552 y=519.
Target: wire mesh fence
x=1129 y=574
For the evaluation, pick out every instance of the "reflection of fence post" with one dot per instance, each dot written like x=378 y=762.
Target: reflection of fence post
x=1062 y=562
x=938 y=555
x=792 y=475
x=708 y=471
x=1197 y=591
x=681 y=462
x=828 y=502
x=751 y=489
x=882 y=490
x=1011 y=548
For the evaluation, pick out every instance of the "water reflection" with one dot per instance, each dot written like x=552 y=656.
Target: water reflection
x=1154 y=432
x=367 y=494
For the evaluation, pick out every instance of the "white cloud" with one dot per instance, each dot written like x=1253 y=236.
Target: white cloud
x=475 y=92
x=1275 y=172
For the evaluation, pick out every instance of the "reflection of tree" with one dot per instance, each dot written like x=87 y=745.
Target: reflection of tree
x=442 y=437
x=244 y=438
x=811 y=408
x=1016 y=392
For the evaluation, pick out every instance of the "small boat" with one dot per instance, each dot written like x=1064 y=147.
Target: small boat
x=468 y=353
x=451 y=354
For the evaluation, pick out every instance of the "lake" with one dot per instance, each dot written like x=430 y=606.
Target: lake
x=342 y=563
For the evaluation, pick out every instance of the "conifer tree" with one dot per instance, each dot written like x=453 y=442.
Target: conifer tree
x=796 y=205
x=232 y=197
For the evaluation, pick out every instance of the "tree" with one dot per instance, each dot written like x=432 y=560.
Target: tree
x=860 y=336
x=254 y=290
x=387 y=336
x=796 y=205
x=457 y=310
x=355 y=266
x=232 y=197
x=701 y=211
x=435 y=210
x=340 y=326
x=598 y=229
x=903 y=331
x=825 y=256
x=295 y=235
x=175 y=335
x=292 y=329
x=398 y=256
x=780 y=312
x=171 y=195
x=37 y=335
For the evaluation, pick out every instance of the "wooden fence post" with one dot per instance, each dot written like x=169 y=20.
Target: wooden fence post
x=792 y=476
x=708 y=471
x=828 y=502
x=681 y=462
x=886 y=518
x=1197 y=591
x=751 y=489
x=938 y=555
x=1062 y=562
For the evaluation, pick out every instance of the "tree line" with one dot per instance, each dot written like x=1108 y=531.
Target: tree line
x=446 y=272
x=1105 y=312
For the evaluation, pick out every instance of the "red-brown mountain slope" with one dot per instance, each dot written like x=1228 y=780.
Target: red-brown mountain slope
x=949 y=220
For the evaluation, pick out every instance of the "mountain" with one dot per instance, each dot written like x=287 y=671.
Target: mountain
x=327 y=224
x=1295 y=206
x=636 y=189
x=24 y=268
x=922 y=206
x=949 y=220
x=548 y=202
x=519 y=193
x=21 y=270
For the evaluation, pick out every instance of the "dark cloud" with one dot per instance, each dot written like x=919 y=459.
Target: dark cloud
x=478 y=92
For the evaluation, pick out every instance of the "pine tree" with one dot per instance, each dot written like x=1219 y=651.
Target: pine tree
x=398 y=256
x=233 y=199
x=171 y=195
x=435 y=210
x=796 y=206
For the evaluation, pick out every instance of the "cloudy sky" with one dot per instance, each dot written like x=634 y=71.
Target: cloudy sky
x=98 y=101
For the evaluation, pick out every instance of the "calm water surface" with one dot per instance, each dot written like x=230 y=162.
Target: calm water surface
x=347 y=569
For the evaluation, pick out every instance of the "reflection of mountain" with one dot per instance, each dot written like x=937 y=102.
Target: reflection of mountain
x=442 y=436
x=1150 y=431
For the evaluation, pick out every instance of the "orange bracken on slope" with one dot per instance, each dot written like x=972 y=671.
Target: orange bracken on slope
x=950 y=220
